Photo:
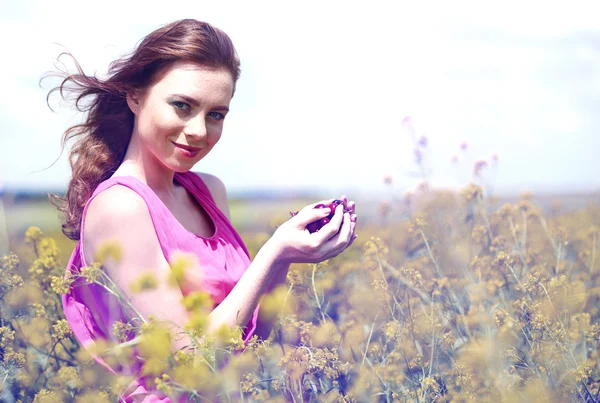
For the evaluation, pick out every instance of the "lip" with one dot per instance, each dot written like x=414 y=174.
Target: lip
x=187 y=151
x=189 y=148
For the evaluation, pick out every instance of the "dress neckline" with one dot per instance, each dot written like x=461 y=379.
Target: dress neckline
x=178 y=179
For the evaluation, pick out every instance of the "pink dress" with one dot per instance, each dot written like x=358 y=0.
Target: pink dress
x=223 y=258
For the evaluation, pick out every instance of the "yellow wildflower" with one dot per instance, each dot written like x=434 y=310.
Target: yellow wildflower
x=180 y=263
x=162 y=384
x=109 y=249
x=418 y=224
x=293 y=277
x=37 y=310
x=379 y=285
x=411 y=275
x=48 y=252
x=472 y=192
x=430 y=384
x=183 y=357
x=594 y=333
x=259 y=347
x=7 y=336
x=392 y=330
x=11 y=357
x=248 y=382
x=91 y=273
x=47 y=396
x=479 y=235
x=375 y=246
x=500 y=317
x=146 y=281
x=155 y=348
x=61 y=285
x=33 y=234
x=448 y=340
x=93 y=396
x=20 y=297
x=326 y=335
x=9 y=263
x=62 y=330
x=47 y=263
x=67 y=376
x=197 y=323
x=582 y=373
x=295 y=362
x=230 y=335
x=122 y=331
x=197 y=301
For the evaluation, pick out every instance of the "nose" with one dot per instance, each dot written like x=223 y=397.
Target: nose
x=196 y=127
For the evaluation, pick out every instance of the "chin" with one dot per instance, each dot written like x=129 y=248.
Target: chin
x=179 y=167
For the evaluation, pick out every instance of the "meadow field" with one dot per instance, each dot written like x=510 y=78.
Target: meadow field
x=445 y=296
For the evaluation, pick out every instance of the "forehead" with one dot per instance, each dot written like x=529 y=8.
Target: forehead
x=195 y=80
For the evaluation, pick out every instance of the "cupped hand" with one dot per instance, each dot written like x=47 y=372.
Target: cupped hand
x=350 y=206
x=293 y=243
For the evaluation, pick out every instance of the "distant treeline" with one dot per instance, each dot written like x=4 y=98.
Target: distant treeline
x=14 y=196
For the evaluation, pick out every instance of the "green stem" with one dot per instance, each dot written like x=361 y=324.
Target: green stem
x=369 y=339
x=315 y=292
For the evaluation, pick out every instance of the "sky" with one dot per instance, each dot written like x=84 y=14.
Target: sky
x=326 y=86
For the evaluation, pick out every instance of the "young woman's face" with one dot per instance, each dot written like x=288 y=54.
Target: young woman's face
x=179 y=118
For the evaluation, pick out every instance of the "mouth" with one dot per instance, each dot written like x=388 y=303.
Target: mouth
x=188 y=148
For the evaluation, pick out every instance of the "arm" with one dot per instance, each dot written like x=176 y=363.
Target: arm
x=264 y=326
x=120 y=214
x=219 y=194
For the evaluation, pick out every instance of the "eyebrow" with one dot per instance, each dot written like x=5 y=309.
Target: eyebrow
x=192 y=101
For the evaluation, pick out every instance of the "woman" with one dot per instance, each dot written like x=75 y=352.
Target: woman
x=159 y=112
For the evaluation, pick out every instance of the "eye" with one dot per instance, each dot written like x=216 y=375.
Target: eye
x=216 y=115
x=181 y=105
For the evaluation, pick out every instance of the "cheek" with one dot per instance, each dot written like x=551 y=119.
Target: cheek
x=157 y=122
x=214 y=132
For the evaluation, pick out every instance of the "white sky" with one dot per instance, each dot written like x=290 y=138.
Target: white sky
x=325 y=86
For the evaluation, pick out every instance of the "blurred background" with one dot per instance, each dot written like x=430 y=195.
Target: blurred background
x=359 y=98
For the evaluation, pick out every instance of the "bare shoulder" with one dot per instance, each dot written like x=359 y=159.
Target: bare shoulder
x=118 y=214
x=115 y=204
x=218 y=191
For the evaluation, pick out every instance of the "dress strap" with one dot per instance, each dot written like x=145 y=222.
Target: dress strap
x=196 y=186
x=158 y=212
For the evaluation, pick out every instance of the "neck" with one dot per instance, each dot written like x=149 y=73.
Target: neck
x=142 y=165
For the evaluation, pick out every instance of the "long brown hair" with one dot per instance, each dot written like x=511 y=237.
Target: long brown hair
x=102 y=139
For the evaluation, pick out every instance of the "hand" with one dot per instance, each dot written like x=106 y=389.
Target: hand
x=293 y=243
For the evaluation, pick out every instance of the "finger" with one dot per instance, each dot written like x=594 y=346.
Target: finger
x=345 y=234
x=351 y=233
x=333 y=226
x=351 y=207
x=310 y=214
x=353 y=239
x=353 y=217
x=342 y=237
x=340 y=241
